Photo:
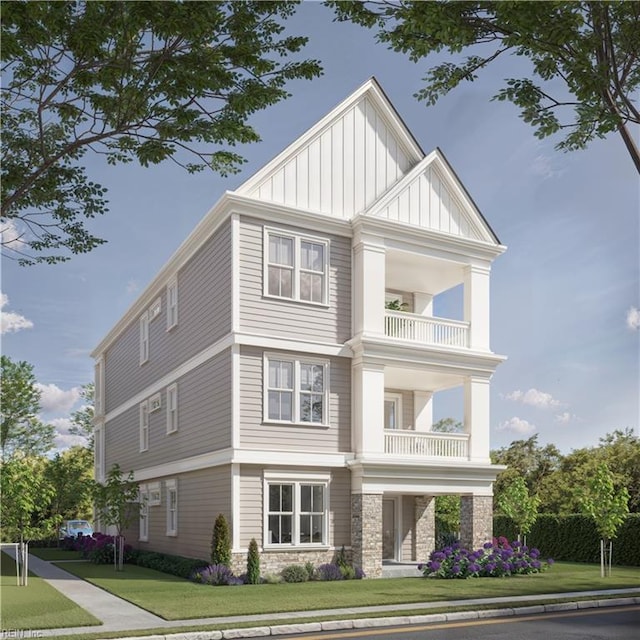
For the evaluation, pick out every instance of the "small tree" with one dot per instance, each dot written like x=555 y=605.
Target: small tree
x=516 y=503
x=253 y=563
x=221 y=542
x=117 y=506
x=608 y=508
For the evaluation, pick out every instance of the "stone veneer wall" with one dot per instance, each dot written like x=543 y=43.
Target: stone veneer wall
x=276 y=561
x=424 y=541
x=476 y=520
x=366 y=533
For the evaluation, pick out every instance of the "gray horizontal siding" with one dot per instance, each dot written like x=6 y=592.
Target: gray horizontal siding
x=287 y=318
x=204 y=316
x=204 y=421
x=407 y=407
x=251 y=502
x=256 y=435
x=202 y=495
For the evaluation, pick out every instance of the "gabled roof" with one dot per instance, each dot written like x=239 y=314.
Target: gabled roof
x=345 y=162
x=431 y=196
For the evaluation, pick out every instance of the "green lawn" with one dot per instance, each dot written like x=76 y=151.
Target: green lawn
x=173 y=598
x=37 y=605
x=53 y=553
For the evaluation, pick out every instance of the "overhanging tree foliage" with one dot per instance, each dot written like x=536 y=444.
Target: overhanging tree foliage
x=82 y=419
x=592 y=48
x=144 y=81
x=20 y=428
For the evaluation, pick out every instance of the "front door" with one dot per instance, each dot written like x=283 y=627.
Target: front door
x=388 y=529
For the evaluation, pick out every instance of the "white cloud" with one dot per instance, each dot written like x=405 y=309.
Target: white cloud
x=633 y=318
x=10 y=235
x=63 y=439
x=132 y=287
x=53 y=399
x=563 y=418
x=534 y=398
x=11 y=322
x=517 y=425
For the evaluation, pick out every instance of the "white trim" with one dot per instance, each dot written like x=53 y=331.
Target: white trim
x=297 y=238
x=143 y=519
x=144 y=426
x=235 y=508
x=172 y=408
x=171 y=486
x=235 y=272
x=396 y=398
x=286 y=344
x=296 y=392
x=98 y=387
x=143 y=324
x=155 y=488
x=172 y=302
x=155 y=402
x=155 y=309
x=235 y=396
x=98 y=452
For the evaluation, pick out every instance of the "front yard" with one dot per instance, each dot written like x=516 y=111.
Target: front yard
x=173 y=598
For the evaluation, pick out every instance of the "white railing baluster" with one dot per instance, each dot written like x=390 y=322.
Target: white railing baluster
x=411 y=327
x=426 y=444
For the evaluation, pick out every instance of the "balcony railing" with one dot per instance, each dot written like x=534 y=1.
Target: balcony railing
x=426 y=444
x=426 y=329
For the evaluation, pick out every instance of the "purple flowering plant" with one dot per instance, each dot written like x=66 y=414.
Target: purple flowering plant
x=494 y=559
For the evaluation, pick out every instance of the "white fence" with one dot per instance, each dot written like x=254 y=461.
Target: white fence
x=426 y=329
x=426 y=444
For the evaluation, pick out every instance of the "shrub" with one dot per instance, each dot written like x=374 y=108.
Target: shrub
x=221 y=542
x=328 y=572
x=295 y=573
x=253 y=563
x=174 y=565
x=272 y=578
x=215 y=575
x=97 y=548
x=310 y=569
x=496 y=558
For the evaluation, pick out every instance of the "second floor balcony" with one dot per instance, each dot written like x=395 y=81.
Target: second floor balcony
x=426 y=330
x=401 y=442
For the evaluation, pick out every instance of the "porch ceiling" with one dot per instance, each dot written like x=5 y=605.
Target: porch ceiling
x=418 y=380
x=410 y=272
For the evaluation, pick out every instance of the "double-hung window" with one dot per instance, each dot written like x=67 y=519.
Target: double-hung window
x=172 y=507
x=144 y=426
x=296 y=390
x=296 y=512
x=144 y=337
x=144 y=512
x=296 y=267
x=172 y=304
x=172 y=408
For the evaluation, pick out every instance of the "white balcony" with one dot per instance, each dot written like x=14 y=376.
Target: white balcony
x=414 y=328
x=426 y=444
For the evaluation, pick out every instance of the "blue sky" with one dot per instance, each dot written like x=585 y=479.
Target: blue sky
x=563 y=295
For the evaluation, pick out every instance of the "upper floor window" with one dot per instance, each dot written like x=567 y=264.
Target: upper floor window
x=172 y=408
x=144 y=426
x=144 y=512
x=172 y=304
x=296 y=267
x=296 y=390
x=144 y=337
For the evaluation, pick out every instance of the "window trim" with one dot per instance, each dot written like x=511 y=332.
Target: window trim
x=143 y=500
x=172 y=303
x=172 y=392
x=155 y=402
x=144 y=337
x=144 y=426
x=297 y=361
x=155 y=309
x=171 y=487
x=396 y=398
x=153 y=488
x=98 y=386
x=297 y=238
x=297 y=479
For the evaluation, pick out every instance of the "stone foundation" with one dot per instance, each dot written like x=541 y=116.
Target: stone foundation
x=366 y=533
x=424 y=539
x=476 y=520
x=275 y=561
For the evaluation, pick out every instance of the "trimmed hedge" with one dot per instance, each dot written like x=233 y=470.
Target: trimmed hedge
x=575 y=538
x=174 y=565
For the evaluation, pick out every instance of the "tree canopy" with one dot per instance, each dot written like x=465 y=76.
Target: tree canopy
x=590 y=48
x=133 y=81
x=20 y=428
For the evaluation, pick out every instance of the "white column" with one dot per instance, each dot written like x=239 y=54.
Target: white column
x=477 y=417
x=368 y=287
x=423 y=304
x=477 y=306
x=422 y=410
x=368 y=408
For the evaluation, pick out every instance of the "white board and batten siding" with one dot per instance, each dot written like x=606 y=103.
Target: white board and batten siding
x=343 y=169
x=204 y=316
x=329 y=324
x=255 y=434
x=251 y=504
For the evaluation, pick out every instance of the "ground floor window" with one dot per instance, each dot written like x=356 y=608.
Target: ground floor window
x=296 y=512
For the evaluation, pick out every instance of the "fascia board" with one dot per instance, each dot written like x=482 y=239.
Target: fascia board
x=372 y=90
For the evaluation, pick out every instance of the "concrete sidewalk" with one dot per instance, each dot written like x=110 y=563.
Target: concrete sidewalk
x=119 y=615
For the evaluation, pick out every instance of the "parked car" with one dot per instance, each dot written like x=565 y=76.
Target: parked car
x=74 y=528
